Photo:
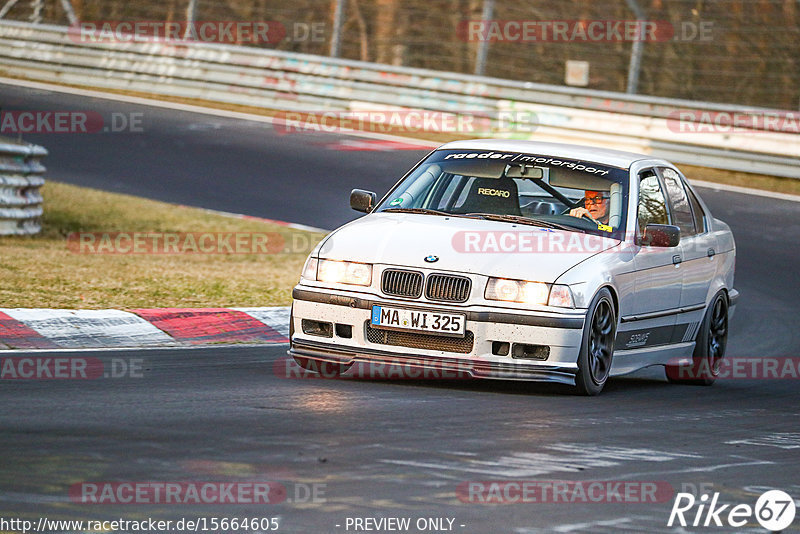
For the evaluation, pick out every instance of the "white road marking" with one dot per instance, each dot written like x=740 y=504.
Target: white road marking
x=571 y=458
x=781 y=440
x=701 y=469
x=628 y=524
x=32 y=498
x=640 y=419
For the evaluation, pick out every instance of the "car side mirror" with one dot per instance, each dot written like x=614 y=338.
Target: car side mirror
x=661 y=235
x=363 y=201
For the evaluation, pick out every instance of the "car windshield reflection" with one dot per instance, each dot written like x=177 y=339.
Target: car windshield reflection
x=515 y=188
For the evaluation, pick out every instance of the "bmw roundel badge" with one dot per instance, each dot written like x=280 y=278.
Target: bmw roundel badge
x=431 y=259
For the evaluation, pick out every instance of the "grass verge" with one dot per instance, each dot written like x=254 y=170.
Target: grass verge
x=41 y=271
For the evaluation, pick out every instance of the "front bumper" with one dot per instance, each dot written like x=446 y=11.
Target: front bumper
x=561 y=333
x=437 y=367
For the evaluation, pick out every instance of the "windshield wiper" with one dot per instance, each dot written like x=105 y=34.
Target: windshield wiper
x=426 y=211
x=489 y=217
x=423 y=211
x=523 y=220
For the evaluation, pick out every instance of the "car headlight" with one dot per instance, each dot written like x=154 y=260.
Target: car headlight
x=529 y=292
x=344 y=272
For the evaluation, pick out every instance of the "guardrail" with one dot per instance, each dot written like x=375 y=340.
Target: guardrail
x=20 y=179
x=288 y=81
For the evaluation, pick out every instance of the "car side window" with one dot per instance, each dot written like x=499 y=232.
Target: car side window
x=678 y=202
x=697 y=211
x=652 y=203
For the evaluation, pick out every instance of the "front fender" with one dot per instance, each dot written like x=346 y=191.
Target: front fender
x=613 y=268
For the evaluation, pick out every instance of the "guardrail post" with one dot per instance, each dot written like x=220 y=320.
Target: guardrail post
x=483 y=44
x=636 y=51
x=67 y=6
x=191 y=14
x=36 y=14
x=6 y=8
x=336 y=34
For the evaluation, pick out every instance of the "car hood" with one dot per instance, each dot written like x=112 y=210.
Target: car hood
x=472 y=246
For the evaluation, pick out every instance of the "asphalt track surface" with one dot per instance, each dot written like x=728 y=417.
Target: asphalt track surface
x=382 y=448
x=210 y=161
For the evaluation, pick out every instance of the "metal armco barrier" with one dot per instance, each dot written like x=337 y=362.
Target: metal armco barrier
x=20 y=179
x=674 y=129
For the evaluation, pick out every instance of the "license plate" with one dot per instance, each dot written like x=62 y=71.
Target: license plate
x=450 y=324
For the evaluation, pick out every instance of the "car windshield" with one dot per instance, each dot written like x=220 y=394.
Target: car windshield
x=516 y=188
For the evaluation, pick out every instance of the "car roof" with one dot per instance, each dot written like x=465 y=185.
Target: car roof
x=605 y=156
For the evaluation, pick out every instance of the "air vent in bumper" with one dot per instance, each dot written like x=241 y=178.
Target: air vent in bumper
x=412 y=340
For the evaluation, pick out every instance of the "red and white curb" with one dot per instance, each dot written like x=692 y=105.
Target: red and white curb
x=153 y=327
x=374 y=145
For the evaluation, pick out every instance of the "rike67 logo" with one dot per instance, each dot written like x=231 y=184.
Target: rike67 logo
x=774 y=510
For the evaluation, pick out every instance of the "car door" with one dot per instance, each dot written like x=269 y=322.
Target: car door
x=697 y=249
x=658 y=275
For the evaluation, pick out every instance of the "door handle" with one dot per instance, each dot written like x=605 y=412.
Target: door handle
x=676 y=259
x=711 y=252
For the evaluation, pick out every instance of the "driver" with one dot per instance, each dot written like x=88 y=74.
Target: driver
x=596 y=207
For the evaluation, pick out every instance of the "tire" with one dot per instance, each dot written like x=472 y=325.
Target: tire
x=597 y=346
x=709 y=349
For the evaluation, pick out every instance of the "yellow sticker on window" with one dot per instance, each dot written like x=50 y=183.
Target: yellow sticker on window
x=605 y=228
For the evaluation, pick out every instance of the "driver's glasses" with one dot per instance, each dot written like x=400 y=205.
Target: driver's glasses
x=589 y=201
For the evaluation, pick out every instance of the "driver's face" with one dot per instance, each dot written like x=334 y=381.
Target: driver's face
x=596 y=205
